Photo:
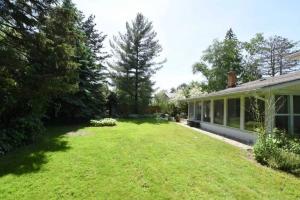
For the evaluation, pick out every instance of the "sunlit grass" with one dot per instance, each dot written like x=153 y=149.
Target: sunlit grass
x=137 y=160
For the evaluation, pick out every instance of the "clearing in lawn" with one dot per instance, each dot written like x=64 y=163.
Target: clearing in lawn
x=137 y=159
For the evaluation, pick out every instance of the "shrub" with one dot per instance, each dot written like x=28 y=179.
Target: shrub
x=21 y=131
x=278 y=151
x=104 y=122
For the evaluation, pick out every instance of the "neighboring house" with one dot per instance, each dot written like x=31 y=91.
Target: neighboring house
x=294 y=56
x=237 y=111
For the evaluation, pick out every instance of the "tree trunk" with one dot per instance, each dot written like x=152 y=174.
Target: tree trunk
x=136 y=103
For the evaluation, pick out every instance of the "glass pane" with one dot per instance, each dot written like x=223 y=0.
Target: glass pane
x=297 y=125
x=191 y=110
x=206 y=111
x=233 y=113
x=254 y=113
x=198 y=111
x=296 y=104
x=282 y=123
x=218 y=111
x=282 y=104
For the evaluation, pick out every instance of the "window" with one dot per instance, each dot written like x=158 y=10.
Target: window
x=218 y=111
x=282 y=116
x=281 y=104
x=297 y=125
x=296 y=103
x=233 y=112
x=282 y=123
x=198 y=111
x=191 y=110
x=254 y=113
x=206 y=111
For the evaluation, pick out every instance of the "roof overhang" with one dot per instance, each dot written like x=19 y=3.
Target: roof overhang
x=249 y=92
x=294 y=56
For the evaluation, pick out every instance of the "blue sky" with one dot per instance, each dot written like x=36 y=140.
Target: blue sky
x=186 y=27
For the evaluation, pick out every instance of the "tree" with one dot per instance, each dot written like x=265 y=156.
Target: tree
x=218 y=59
x=274 y=52
x=39 y=43
x=162 y=101
x=252 y=61
x=135 y=54
x=90 y=99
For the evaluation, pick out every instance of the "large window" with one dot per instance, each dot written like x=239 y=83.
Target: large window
x=296 y=103
x=206 y=111
x=198 y=111
x=218 y=111
x=233 y=113
x=191 y=110
x=297 y=125
x=254 y=113
x=282 y=116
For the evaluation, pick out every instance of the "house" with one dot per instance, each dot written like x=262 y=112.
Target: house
x=294 y=56
x=237 y=111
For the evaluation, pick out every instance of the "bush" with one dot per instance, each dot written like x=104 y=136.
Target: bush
x=22 y=131
x=278 y=151
x=104 y=122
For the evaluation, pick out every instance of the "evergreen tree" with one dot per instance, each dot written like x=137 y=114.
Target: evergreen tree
x=38 y=38
x=135 y=52
x=89 y=100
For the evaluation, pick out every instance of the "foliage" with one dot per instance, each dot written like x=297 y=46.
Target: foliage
x=250 y=60
x=163 y=101
x=90 y=98
x=273 y=55
x=47 y=52
x=38 y=62
x=104 y=122
x=135 y=54
x=218 y=59
x=23 y=131
x=278 y=151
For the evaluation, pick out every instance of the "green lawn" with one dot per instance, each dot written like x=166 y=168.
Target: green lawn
x=138 y=160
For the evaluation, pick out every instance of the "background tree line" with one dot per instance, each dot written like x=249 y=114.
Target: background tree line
x=252 y=60
x=260 y=57
x=53 y=68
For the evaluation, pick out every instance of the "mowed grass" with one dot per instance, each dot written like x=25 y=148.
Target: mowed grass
x=142 y=159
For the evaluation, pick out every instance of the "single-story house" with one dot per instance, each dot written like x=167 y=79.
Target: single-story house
x=239 y=110
x=294 y=56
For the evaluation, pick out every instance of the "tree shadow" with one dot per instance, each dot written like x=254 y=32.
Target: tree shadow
x=140 y=121
x=30 y=158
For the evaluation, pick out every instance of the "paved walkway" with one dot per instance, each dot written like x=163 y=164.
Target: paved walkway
x=219 y=137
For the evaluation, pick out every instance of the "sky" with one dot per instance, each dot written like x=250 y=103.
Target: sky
x=185 y=28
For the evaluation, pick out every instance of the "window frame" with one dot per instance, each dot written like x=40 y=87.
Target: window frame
x=228 y=115
x=214 y=111
x=291 y=115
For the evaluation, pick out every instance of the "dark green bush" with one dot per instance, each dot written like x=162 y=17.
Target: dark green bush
x=278 y=151
x=22 y=131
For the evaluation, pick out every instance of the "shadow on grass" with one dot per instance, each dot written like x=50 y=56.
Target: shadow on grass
x=140 y=121
x=29 y=159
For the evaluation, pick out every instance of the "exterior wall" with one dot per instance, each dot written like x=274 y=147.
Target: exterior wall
x=240 y=134
x=233 y=133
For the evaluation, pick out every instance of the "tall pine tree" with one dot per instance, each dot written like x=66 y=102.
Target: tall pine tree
x=135 y=54
x=88 y=100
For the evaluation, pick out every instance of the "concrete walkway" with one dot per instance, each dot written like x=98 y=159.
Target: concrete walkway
x=219 y=137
